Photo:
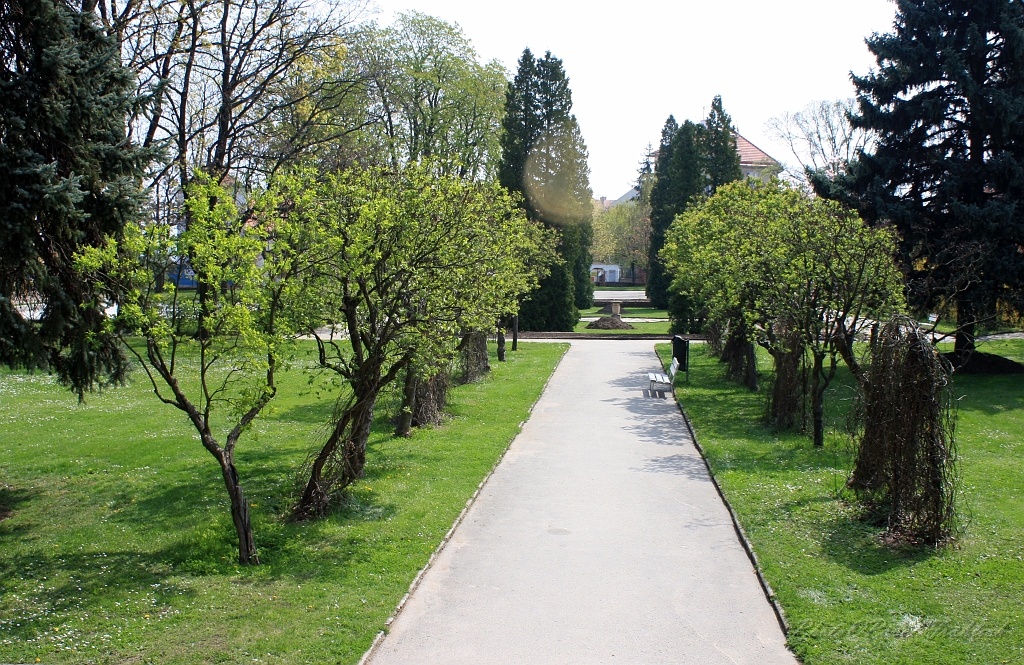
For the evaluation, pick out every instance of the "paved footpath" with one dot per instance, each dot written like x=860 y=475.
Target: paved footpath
x=599 y=539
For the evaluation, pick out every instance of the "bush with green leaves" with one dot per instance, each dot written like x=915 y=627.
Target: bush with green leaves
x=212 y=353
x=404 y=262
x=789 y=272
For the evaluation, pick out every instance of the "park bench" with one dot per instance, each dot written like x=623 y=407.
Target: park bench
x=668 y=380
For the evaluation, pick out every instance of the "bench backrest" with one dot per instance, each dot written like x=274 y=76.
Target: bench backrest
x=674 y=368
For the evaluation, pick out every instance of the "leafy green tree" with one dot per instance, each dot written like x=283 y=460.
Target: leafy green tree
x=431 y=96
x=434 y=101
x=621 y=233
x=214 y=359
x=945 y=103
x=544 y=159
x=69 y=180
x=768 y=260
x=551 y=306
x=405 y=262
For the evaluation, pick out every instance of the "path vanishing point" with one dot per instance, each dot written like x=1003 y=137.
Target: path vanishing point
x=598 y=539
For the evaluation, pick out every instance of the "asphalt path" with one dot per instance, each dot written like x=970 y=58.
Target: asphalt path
x=598 y=539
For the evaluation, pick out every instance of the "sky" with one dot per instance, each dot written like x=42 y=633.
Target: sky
x=631 y=64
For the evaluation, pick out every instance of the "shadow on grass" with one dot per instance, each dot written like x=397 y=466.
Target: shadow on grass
x=11 y=499
x=855 y=543
x=315 y=411
x=988 y=395
x=70 y=583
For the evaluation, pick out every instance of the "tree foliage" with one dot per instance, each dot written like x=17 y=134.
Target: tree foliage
x=693 y=160
x=429 y=95
x=69 y=180
x=544 y=159
x=946 y=171
x=404 y=263
x=215 y=359
x=622 y=234
x=768 y=260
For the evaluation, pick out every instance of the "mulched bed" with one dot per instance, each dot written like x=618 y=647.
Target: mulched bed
x=977 y=362
x=609 y=323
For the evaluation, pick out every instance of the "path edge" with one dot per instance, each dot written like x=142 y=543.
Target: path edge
x=769 y=593
x=458 y=520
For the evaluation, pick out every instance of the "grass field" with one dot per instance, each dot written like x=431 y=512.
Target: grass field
x=848 y=597
x=116 y=543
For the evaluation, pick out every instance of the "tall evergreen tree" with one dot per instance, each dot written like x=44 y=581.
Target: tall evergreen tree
x=693 y=160
x=723 y=161
x=947 y=105
x=662 y=214
x=687 y=178
x=544 y=158
x=521 y=125
x=69 y=179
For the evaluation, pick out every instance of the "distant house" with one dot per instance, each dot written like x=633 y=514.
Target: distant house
x=754 y=161
x=603 y=273
x=602 y=204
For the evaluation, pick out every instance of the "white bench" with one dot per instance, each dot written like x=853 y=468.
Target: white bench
x=667 y=380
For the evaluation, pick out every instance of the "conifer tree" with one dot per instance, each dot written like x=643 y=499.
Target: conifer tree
x=544 y=158
x=719 y=136
x=69 y=179
x=947 y=106
x=693 y=160
x=662 y=215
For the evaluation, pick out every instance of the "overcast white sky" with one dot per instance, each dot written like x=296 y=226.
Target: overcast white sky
x=631 y=64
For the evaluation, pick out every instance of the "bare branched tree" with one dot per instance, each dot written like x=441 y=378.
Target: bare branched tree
x=236 y=88
x=820 y=138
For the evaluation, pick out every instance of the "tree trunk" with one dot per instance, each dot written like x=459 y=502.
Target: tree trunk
x=341 y=460
x=733 y=354
x=474 y=357
x=965 y=325
x=740 y=358
x=501 y=344
x=405 y=416
x=817 y=399
x=713 y=337
x=431 y=399
x=515 y=333
x=787 y=395
x=750 y=377
x=239 y=512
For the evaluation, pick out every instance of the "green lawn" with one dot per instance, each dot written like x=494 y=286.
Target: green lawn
x=118 y=547
x=849 y=598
